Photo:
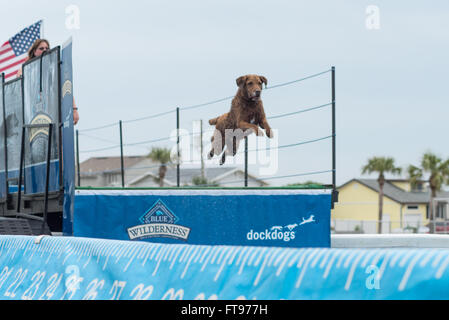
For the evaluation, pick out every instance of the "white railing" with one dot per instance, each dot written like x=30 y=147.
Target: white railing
x=346 y=226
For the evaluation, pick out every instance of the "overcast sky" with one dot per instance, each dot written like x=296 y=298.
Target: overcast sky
x=134 y=59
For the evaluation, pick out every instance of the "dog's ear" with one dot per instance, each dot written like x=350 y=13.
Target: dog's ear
x=264 y=80
x=240 y=81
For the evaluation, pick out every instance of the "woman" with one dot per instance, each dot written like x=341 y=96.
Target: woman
x=37 y=49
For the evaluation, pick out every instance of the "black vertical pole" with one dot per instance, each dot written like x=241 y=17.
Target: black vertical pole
x=78 y=159
x=47 y=177
x=22 y=157
x=40 y=75
x=333 y=130
x=60 y=124
x=334 y=159
x=203 y=175
x=246 y=162
x=5 y=144
x=178 y=177
x=122 y=165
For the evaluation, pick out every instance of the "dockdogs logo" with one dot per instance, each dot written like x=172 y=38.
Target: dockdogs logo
x=283 y=233
x=159 y=222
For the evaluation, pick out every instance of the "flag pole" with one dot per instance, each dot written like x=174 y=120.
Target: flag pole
x=42 y=29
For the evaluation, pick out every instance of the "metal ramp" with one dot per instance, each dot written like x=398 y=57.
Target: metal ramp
x=26 y=227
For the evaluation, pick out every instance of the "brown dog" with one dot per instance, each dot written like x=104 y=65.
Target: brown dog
x=246 y=116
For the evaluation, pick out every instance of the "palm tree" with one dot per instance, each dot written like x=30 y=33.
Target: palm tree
x=161 y=155
x=307 y=184
x=381 y=165
x=438 y=171
x=203 y=182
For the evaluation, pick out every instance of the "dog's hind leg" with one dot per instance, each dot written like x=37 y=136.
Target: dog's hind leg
x=224 y=148
x=211 y=153
x=235 y=146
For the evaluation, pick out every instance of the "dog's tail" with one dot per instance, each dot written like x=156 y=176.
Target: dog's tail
x=214 y=121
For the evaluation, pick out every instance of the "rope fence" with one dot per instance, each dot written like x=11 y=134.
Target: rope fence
x=176 y=138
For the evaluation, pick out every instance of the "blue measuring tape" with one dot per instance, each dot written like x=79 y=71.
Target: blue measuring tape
x=55 y=268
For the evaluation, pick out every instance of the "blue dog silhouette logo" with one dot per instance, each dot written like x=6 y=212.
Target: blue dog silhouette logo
x=159 y=222
x=159 y=213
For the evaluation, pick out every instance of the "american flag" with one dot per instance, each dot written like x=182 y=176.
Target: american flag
x=14 y=52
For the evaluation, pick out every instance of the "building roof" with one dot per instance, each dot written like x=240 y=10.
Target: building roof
x=187 y=174
x=107 y=164
x=100 y=165
x=397 y=194
x=212 y=174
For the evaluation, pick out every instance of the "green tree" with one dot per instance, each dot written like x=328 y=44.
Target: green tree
x=438 y=175
x=307 y=184
x=162 y=156
x=381 y=165
x=203 y=182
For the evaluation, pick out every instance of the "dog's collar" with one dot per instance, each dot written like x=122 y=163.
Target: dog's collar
x=250 y=100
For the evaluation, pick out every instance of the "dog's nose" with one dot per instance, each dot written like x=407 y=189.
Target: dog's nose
x=257 y=93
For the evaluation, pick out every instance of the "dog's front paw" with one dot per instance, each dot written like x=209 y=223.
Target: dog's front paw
x=260 y=133
x=223 y=159
x=270 y=133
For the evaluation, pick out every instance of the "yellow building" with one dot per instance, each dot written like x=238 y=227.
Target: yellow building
x=404 y=209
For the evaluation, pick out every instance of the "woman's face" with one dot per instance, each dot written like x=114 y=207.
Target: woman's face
x=43 y=46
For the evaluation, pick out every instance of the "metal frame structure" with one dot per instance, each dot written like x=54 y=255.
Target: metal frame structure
x=37 y=206
x=332 y=186
x=2 y=83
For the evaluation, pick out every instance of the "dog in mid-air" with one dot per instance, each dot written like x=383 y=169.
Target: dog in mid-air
x=246 y=116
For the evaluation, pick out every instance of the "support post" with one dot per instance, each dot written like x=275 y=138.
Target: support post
x=47 y=177
x=334 y=155
x=246 y=162
x=178 y=176
x=203 y=174
x=22 y=157
x=78 y=159
x=5 y=133
x=122 y=162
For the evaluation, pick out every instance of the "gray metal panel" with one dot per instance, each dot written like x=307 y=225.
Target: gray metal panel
x=41 y=107
x=14 y=122
x=2 y=145
x=2 y=130
x=390 y=241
